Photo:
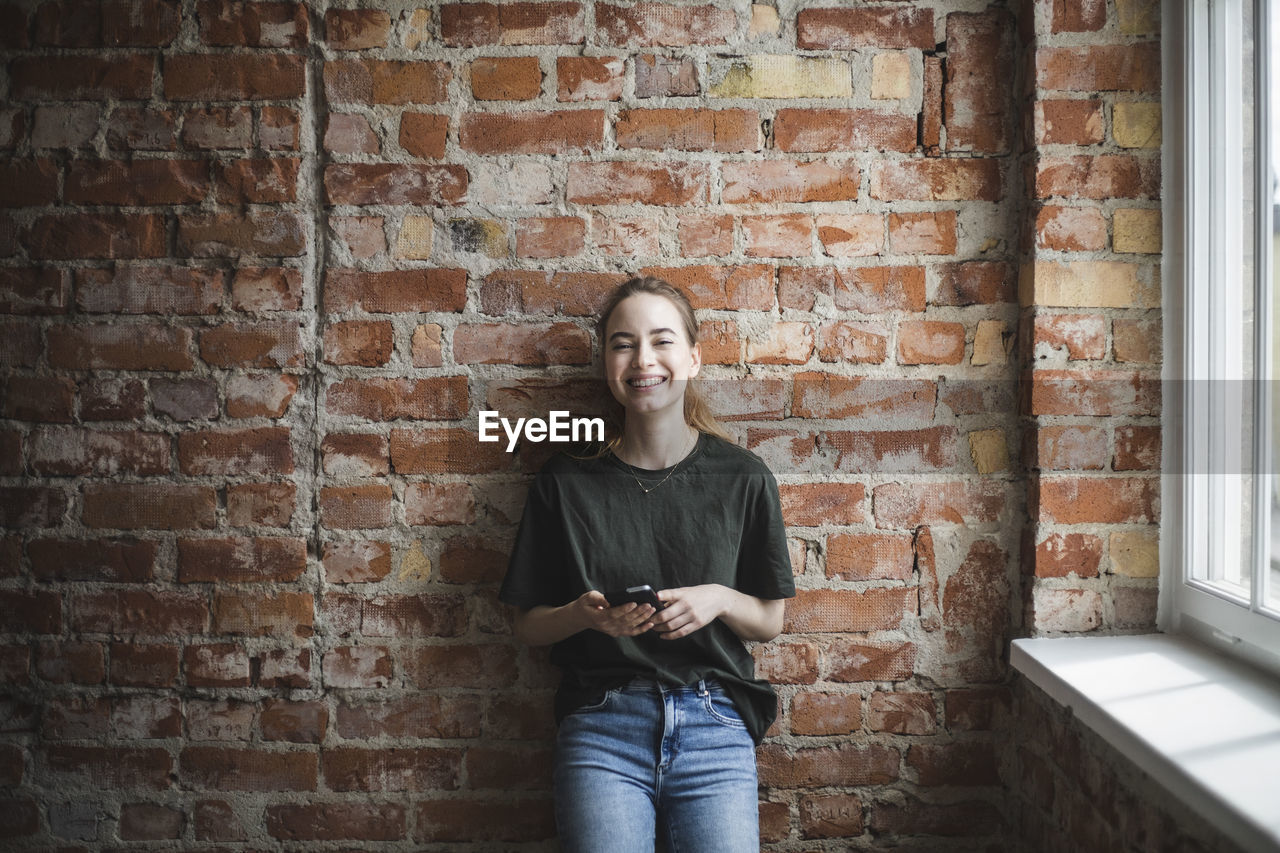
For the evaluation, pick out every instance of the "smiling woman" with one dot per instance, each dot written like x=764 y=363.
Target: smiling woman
x=659 y=708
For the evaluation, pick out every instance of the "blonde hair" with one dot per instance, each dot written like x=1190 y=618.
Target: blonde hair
x=697 y=413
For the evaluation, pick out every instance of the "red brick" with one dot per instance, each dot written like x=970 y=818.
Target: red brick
x=783 y=236
x=134 y=506
x=283 y=614
x=259 y=289
x=423 y=135
x=354 y=455
x=366 y=343
x=414 y=615
x=284 y=668
x=186 y=398
x=665 y=77
x=31 y=506
x=1137 y=448
x=1136 y=341
x=76 y=78
x=120 y=347
x=61 y=662
x=505 y=769
x=1093 y=393
x=141 y=665
x=902 y=713
x=419 y=769
x=140 y=182
x=1064 y=554
x=260 y=395
x=837 y=611
x=350 y=134
x=867 y=290
x=241 y=560
x=1110 y=500
x=937 y=180
x=1104 y=176
x=975 y=283
x=908 y=505
x=34 y=291
x=439 y=505
x=395 y=291
x=340 y=820
x=931 y=112
x=363 y=236
x=109 y=766
x=1084 y=336
x=472 y=820
x=820 y=767
x=826 y=713
x=139 y=611
x=356 y=29
x=1075 y=16
x=748 y=287
x=1071 y=229
x=1068 y=122
x=44 y=399
x=234 y=77
x=823 y=130
x=954 y=764
x=444 y=451
x=394 y=183
x=626 y=237
x=914 y=817
x=1099 y=68
x=870 y=556
x=28 y=183
x=229 y=23
x=657 y=24
x=265 y=233
x=215 y=820
x=977 y=709
x=548 y=343
x=505 y=78
x=68 y=23
x=77 y=236
x=846 y=235
x=560 y=132
x=824 y=395
x=978 y=102
x=881 y=26
x=642 y=183
x=136 y=289
x=831 y=816
x=293 y=721
x=216 y=665
x=20 y=346
x=787 y=342
x=702 y=234
x=930 y=342
x=689 y=130
x=787 y=663
x=218 y=128
x=150 y=822
x=471 y=560
x=357 y=667
x=266 y=344
x=257 y=769
x=377 y=81
x=31 y=612
x=461 y=666
x=355 y=507
x=809 y=505
x=268 y=504
x=857 y=343
x=261 y=181
x=589 y=78
x=1071 y=448
x=66 y=451
x=435 y=398
x=550 y=237
x=471 y=24
x=785 y=181
x=280 y=129
x=931 y=233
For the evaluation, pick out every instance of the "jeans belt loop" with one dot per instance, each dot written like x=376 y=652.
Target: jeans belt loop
x=702 y=687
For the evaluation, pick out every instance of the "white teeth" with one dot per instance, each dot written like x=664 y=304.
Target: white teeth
x=645 y=383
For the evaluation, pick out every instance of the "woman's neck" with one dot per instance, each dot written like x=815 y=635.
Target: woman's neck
x=655 y=444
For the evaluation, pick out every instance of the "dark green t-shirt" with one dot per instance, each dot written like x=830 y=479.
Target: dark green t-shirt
x=588 y=525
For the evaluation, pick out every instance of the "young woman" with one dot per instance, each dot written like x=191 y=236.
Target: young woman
x=659 y=709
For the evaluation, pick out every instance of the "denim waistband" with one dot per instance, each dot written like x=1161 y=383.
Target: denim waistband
x=644 y=684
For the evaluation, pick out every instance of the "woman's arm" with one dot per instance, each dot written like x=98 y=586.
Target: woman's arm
x=692 y=607
x=542 y=626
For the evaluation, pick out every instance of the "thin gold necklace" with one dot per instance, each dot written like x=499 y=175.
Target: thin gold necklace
x=683 y=457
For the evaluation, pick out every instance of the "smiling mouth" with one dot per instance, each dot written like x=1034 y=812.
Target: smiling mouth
x=647 y=382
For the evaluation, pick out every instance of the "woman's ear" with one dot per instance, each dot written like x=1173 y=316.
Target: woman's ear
x=695 y=360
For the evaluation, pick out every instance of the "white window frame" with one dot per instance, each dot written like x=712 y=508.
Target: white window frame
x=1204 y=363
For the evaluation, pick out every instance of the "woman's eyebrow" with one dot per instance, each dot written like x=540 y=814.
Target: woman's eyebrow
x=661 y=331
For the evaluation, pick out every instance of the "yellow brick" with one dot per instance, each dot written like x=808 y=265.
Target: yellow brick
x=890 y=76
x=1136 y=230
x=1136 y=124
x=988 y=450
x=486 y=237
x=1089 y=284
x=418 y=32
x=1135 y=555
x=783 y=76
x=764 y=21
x=988 y=343
x=1138 y=17
x=415 y=238
x=414 y=564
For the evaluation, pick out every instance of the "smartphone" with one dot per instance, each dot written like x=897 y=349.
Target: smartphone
x=639 y=594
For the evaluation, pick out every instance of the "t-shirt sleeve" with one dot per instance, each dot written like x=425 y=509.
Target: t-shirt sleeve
x=764 y=564
x=534 y=570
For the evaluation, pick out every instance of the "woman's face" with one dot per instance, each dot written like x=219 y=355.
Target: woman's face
x=647 y=356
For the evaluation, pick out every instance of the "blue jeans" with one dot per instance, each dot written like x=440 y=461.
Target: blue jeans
x=651 y=763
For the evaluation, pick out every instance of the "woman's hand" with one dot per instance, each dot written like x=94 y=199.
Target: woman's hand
x=691 y=608
x=625 y=620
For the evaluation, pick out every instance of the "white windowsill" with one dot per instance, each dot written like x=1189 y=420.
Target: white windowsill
x=1206 y=727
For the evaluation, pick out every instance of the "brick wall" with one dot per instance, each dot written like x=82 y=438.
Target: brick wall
x=262 y=264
